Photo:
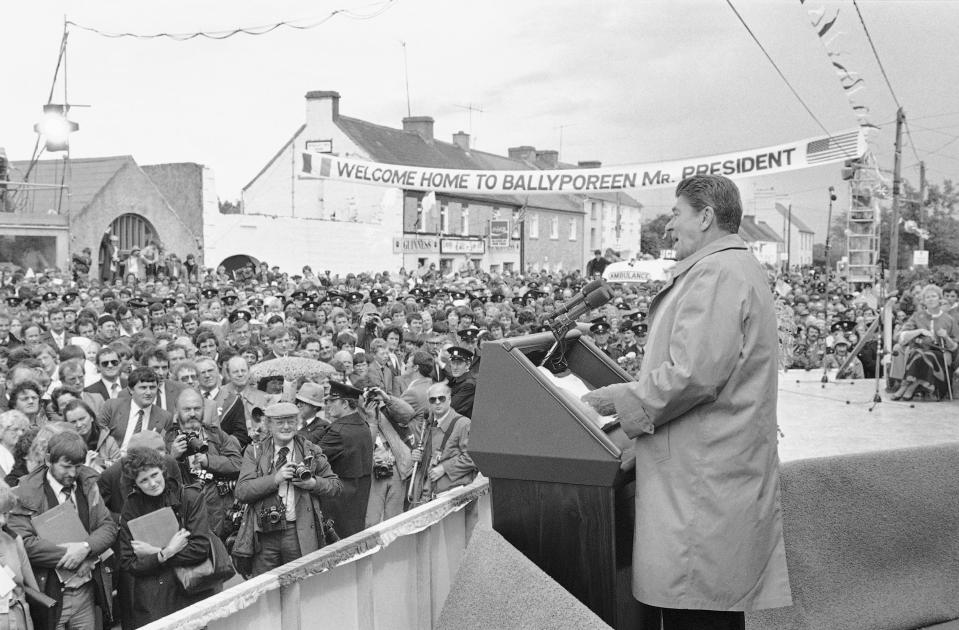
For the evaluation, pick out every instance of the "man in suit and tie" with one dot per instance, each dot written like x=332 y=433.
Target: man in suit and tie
x=221 y=407
x=380 y=373
x=168 y=390
x=57 y=335
x=108 y=365
x=124 y=416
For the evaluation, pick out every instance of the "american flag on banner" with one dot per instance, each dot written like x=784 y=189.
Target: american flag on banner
x=831 y=149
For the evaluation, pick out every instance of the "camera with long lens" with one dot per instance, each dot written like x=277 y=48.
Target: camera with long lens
x=272 y=516
x=372 y=322
x=194 y=443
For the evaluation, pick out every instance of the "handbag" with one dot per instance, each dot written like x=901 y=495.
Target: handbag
x=212 y=572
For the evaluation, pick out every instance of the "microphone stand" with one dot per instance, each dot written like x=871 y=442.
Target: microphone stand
x=559 y=327
x=832 y=198
x=880 y=332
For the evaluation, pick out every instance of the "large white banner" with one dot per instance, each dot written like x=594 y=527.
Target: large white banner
x=817 y=151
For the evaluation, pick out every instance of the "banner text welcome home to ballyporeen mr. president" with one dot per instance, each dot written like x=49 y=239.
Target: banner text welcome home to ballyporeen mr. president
x=817 y=151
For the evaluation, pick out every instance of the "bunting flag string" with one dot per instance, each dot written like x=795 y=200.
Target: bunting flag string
x=850 y=80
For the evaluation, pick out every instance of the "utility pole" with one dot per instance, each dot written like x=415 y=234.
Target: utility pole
x=922 y=202
x=896 y=185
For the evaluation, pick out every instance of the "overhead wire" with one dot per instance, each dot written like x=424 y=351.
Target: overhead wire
x=776 y=66
x=263 y=29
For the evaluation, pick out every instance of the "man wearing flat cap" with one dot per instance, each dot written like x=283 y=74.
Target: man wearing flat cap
x=309 y=402
x=286 y=510
x=348 y=444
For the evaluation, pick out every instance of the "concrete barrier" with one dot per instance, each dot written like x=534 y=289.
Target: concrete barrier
x=395 y=575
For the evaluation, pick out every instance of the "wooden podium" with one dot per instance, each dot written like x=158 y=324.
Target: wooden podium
x=562 y=488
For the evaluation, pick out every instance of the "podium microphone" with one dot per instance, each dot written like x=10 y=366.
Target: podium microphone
x=577 y=299
x=592 y=300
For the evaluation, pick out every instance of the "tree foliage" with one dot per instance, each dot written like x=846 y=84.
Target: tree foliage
x=940 y=217
x=651 y=237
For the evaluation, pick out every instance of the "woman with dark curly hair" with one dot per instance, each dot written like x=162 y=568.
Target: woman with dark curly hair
x=25 y=398
x=102 y=449
x=156 y=590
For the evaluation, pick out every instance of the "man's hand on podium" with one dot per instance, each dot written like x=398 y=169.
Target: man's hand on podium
x=600 y=401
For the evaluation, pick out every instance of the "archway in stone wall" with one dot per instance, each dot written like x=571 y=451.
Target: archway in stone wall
x=131 y=230
x=238 y=261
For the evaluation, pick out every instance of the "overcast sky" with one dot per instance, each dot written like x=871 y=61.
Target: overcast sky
x=620 y=81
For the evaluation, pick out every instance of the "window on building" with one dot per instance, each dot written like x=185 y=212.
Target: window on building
x=516 y=224
x=495 y=213
x=444 y=218
x=593 y=243
x=465 y=220
x=554 y=228
x=594 y=210
x=420 y=217
x=532 y=221
x=572 y=229
x=507 y=267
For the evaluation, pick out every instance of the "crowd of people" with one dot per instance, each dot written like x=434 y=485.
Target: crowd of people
x=277 y=412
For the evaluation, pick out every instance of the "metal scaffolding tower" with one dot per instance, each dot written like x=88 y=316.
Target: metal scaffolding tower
x=863 y=222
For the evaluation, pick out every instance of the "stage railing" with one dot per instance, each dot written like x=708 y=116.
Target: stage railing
x=395 y=575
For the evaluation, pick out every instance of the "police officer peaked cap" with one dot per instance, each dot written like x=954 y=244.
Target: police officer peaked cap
x=470 y=334
x=70 y=296
x=845 y=325
x=169 y=302
x=14 y=301
x=599 y=328
x=354 y=297
x=379 y=300
x=459 y=354
x=240 y=315
x=298 y=295
x=342 y=391
x=50 y=296
x=639 y=328
x=209 y=293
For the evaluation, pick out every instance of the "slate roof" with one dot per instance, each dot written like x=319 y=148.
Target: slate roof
x=396 y=146
x=784 y=212
x=751 y=231
x=87 y=177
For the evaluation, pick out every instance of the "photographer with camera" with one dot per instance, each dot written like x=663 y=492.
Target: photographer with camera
x=388 y=418
x=371 y=325
x=282 y=479
x=206 y=455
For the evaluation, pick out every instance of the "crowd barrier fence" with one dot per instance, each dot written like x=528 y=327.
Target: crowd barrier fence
x=395 y=575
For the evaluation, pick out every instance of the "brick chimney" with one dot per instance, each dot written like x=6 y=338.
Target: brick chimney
x=547 y=158
x=525 y=153
x=422 y=125
x=590 y=164
x=462 y=140
x=322 y=106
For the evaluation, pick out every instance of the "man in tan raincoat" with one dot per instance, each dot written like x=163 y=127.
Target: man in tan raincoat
x=708 y=541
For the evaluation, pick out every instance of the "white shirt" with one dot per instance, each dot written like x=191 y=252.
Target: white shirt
x=286 y=490
x=110 y=390
x=6 y=460
x=161 y=396
x=132 y=422
x=58 y=490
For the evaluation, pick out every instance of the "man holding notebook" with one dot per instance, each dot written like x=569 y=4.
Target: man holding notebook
x=66 y=570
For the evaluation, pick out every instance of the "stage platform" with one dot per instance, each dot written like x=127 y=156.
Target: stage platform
x=870 y=508
x=839 y=418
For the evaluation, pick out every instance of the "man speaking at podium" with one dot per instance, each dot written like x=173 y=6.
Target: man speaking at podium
x=708 y=543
